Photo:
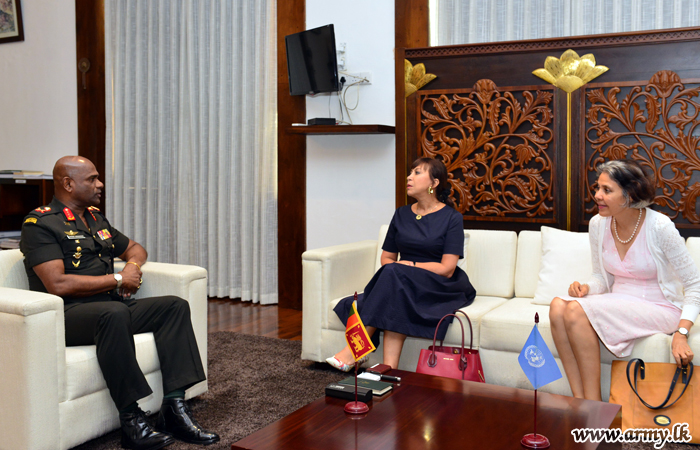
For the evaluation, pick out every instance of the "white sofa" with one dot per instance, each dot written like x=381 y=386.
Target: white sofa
x=55 y=397
x=504 y=269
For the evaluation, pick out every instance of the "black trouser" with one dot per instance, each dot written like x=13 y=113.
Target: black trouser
x=111 y=326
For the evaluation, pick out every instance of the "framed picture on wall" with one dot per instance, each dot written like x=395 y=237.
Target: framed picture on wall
x=11 y=28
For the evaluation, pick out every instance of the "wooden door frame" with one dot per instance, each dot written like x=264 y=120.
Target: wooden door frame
x=291 y=165
x=90 y=44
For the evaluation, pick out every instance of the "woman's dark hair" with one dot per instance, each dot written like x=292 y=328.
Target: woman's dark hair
x=437 y=171
x=638 y=185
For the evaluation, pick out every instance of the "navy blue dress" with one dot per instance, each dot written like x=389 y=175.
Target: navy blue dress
x=410 y=300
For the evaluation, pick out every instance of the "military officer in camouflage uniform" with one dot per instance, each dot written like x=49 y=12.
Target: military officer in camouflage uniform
x=69 y=248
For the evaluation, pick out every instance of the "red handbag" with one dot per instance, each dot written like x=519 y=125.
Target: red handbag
x=452 y=362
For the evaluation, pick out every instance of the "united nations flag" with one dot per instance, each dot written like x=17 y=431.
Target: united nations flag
x=537 y=361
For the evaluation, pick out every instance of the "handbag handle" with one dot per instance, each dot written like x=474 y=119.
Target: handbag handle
x=471 y=331
x=432 y=359
x=686 y=372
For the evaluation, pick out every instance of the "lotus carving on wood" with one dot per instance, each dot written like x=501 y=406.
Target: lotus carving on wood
x=570 y=71
x=415 y=77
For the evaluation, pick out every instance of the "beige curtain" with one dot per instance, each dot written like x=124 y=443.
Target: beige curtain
x=473 y=21
x=191 y=136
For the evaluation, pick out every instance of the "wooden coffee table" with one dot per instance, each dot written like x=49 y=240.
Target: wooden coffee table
x=426 y=412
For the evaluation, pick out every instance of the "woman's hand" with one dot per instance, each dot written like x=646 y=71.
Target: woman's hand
x=578 y=290
x=406 y=263
x=681 y=350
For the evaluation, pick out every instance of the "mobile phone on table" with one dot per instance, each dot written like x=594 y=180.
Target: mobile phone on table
x=379 y=368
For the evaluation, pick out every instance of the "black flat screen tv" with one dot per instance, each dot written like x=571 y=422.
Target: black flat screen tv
x=311 y=61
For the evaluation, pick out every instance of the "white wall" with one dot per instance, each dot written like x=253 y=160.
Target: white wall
x=38 y=116
x=350 y=181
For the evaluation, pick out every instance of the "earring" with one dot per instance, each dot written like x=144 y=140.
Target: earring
x=430 y=190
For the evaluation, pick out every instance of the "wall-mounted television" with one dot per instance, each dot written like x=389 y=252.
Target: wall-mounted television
x=311 y=61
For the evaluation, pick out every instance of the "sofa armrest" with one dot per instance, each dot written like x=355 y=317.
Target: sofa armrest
x=329 y=273
x=32 y=368
x=186 y=282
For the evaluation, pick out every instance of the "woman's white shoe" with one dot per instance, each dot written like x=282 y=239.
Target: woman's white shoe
x=340 y=365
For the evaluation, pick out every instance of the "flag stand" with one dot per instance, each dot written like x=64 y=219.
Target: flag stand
x=360 y=345
x=356 y=407
x=534 y=440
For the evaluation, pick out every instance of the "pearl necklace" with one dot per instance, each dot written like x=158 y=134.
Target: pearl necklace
x=419 y=216
x=639 y=219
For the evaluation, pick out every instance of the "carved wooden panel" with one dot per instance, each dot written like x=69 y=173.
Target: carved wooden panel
x=495 y=186
x=656 y=123
x=498 y=147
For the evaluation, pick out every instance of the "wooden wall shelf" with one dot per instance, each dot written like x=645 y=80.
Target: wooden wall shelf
x=19 y=197
x=341 y=129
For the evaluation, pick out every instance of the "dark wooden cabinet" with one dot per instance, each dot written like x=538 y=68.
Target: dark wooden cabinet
x=19 y=196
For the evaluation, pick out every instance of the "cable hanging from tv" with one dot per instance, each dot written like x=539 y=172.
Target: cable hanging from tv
x=312 y=67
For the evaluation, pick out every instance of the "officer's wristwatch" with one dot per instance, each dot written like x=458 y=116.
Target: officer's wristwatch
x=682 y=331
x=118 y=277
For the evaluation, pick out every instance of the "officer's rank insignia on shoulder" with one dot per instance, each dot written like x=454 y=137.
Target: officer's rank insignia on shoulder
x=43 y=209
x=69 y=214
x=30 y=220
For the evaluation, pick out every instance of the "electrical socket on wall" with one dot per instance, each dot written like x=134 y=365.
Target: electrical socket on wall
x=341 y=55
x=359 y=78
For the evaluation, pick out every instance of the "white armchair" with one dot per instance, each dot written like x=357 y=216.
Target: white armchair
x=54 y=397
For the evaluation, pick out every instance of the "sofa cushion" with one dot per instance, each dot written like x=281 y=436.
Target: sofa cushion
x=476 y=311
x=508 y=326
x=566 y=257
x=333 y=322
x=83 y=374
x=491 y=262
x=527 y=265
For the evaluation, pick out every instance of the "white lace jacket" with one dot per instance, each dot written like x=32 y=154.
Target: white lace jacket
x=677 y=273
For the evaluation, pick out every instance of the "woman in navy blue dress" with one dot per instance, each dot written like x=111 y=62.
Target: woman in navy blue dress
x=409 y=296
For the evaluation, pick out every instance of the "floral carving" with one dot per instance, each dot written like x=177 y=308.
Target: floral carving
x=494 y=145
x=657 y=125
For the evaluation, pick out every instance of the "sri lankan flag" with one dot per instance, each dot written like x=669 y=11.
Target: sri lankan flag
x=355 y=333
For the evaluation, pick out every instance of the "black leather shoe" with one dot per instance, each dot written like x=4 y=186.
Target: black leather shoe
x=137 y=433
x=176 y=418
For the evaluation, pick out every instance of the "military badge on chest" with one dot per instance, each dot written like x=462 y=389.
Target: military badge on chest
x=104 y=234
x=74 y=235
x=77 y=255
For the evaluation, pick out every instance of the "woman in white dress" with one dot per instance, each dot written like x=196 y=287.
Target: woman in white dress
x=644 y=281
